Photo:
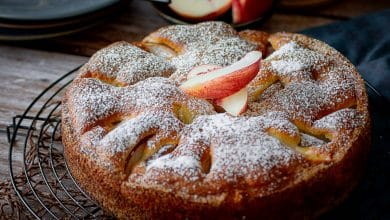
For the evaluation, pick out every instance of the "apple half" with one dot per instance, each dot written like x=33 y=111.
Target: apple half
x=235 y=104
x=200 y=10
x=249 y=10
x=223 y=82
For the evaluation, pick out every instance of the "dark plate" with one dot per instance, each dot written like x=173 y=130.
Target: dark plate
x=38 y=10
x=11 y=30
x=20 y=35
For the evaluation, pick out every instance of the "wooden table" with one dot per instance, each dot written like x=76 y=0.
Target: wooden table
x=27 y=68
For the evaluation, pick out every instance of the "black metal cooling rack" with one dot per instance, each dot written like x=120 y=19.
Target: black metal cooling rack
x=42 y=180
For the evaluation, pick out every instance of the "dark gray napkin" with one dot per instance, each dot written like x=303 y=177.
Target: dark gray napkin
x=366 y=42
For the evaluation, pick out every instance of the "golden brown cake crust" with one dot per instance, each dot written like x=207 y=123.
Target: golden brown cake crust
x=142 y=148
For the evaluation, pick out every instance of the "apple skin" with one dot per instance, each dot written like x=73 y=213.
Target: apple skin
x=248 y=10
x=202 y=11
x=236 y=103
x=223 y=82
x=202 y=69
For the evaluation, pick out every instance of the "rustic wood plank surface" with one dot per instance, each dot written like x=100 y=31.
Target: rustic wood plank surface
x=26 y=72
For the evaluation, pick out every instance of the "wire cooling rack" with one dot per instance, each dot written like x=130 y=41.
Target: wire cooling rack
x=42 y=181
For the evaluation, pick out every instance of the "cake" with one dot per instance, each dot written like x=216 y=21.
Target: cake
x=144 y=147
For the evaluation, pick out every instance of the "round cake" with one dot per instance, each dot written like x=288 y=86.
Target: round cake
x=189 y=123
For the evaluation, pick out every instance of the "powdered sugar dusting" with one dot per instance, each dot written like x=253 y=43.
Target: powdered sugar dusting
x=223 y=52
x=126 y=64
x=310 y=141
x=90 y=101
x=291 y=58
x=302 y=101
x=127 y=135
x=93 y=101
x=184 y=35
x=345 y=119
x=238 y=146
x=304 y=98
x=184 y=166
x=205 y=43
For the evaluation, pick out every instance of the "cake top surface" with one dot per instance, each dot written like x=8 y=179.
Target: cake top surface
x=133 y=118
x=210 y=42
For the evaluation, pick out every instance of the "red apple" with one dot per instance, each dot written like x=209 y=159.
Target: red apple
x=200 y=10
x=225 y=81
x=249 y=10
x=235 y=104
x=202 y=69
